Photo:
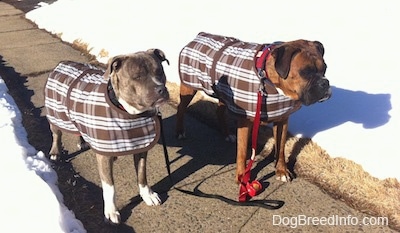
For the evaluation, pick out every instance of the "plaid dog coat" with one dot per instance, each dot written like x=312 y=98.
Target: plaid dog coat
x=224 y=67
x=77 y=101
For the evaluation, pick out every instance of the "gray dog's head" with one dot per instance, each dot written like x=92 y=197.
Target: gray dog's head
x=138 y=80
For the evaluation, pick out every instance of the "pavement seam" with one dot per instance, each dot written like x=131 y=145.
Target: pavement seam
x=19 y=30
x=8 y=15
x=248 y=219
x=38 y=73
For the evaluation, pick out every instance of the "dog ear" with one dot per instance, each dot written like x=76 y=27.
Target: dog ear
x=159 y=54
x=283 y=57
x=320 y=47
x=113 y=65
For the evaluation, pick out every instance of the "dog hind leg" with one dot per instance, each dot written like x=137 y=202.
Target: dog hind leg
x=105 y=167
x=222 y=121
x=243 y=132
x=149 y=197
x=186 y=96
x=56 y=146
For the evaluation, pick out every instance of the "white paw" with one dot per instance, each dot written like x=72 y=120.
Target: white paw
x=231 y=138
x=149 y=197
x=111 y=213
x=281 y=178
x=53 y=157
x=284 y=178
x=112 y=216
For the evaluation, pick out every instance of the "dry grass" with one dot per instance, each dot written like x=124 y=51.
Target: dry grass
x=343 y=179
x=83 y=47
x=347 y=181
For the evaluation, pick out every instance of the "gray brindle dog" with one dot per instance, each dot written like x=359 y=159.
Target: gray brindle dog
x=114 y=111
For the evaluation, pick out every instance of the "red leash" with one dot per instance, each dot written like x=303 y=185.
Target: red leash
x=249 y=189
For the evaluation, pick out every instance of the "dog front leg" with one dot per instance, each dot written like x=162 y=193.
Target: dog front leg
x=105 y=166
x=149 y=197
x=242 y=142
x=280 y=133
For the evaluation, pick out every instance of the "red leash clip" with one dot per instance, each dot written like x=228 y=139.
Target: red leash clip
x=249 y=189
x=253 y=188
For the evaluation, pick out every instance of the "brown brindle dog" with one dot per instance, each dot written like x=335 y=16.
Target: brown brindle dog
x=288 y=73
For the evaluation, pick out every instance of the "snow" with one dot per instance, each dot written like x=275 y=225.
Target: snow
x=30 y=193
x=360 y=121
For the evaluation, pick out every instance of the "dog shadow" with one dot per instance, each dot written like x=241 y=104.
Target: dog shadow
x=204 y=147
x=369 y=110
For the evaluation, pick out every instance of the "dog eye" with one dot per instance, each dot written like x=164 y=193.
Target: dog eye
x=137 y=77
x=309 y=70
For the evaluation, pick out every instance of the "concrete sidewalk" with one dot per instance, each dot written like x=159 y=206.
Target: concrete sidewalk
x=204 y=160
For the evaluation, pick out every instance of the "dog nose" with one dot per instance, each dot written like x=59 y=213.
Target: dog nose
x=323 y=83
x=325 y=87
x=161 y=90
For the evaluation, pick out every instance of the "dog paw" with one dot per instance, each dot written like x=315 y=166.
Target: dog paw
x=231 y=138
x=53 y=157
x=149 y=197
x=82 y=146
x=54 y=153
x=284 y=176
x=239 y=175
x=181 y=136
x=112 y=217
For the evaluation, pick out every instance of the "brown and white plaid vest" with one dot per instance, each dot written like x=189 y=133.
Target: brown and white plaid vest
x=77 y=101
x=224 y=67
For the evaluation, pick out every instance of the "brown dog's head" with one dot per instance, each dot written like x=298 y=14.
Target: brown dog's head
x=298 y=69
x=138 y=80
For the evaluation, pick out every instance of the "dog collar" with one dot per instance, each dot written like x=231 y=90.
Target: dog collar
x=262 y=57
x=113 y=97
x=114 y=101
